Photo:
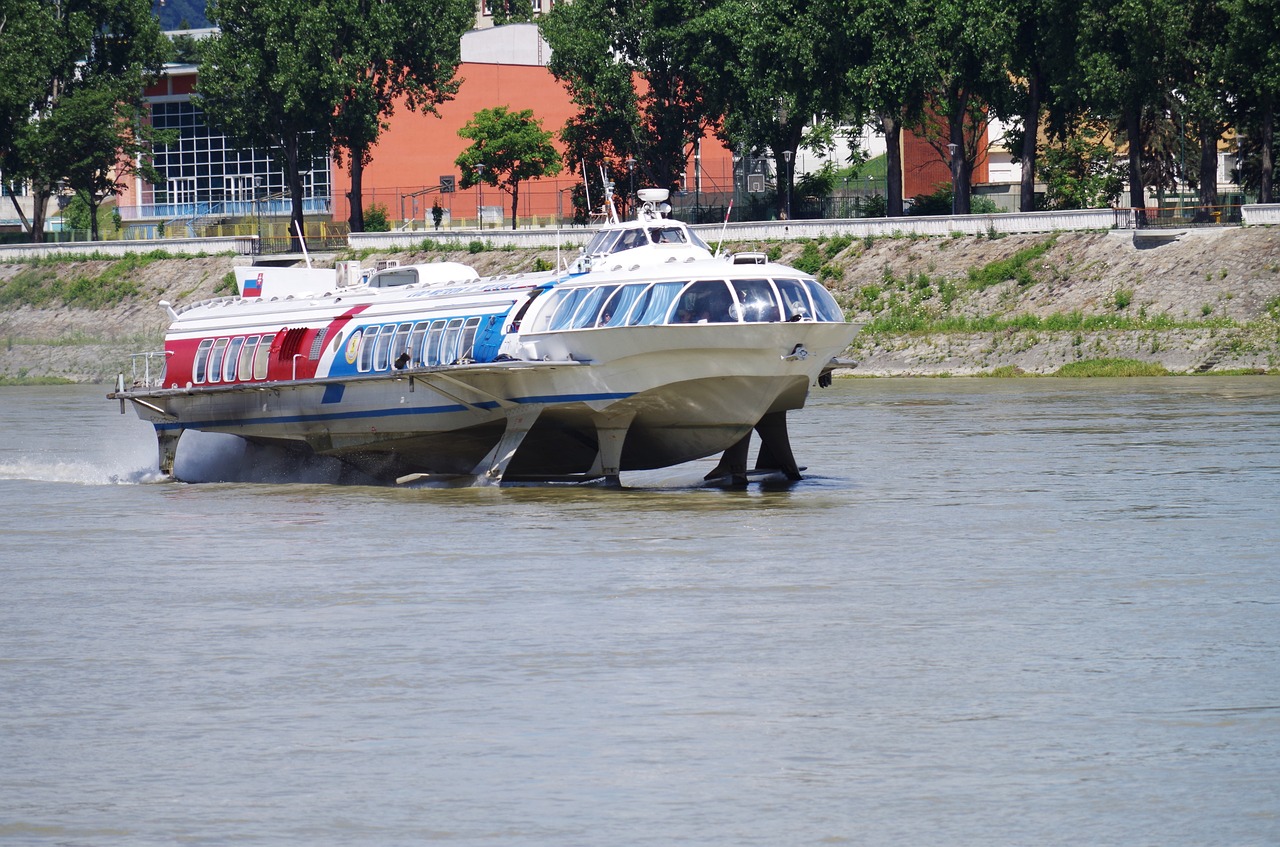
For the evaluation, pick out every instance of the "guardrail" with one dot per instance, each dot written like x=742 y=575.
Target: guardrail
x=241 y=245
x=1260 y=214
x=1017 y=222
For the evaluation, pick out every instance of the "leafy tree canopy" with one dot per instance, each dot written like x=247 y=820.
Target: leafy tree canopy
x=507 y=148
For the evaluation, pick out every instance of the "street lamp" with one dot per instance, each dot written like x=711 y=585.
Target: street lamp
x=631 y=171
x=480 y=202
x=952 y=149
x=737 y=163
x=786 y=154
x=257 y=208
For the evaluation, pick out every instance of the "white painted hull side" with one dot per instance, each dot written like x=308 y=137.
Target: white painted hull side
x=670 y=393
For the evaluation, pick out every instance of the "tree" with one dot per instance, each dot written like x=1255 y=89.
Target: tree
x=1252 y=64
x=511 y=146
x=269 y=80
x=72 y=108
x=1127 y=49
x=878 y=46
x=633 y=69
x=1042 y=63
x=967 y=44
x=406 y=51
x=762 y=70
x=1080 y=172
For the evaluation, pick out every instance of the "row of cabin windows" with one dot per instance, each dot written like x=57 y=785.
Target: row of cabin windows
x=702 y=301
x=237 y=359
x=426 y=343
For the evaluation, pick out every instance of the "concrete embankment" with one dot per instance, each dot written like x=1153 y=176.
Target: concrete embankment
x=1199 y=301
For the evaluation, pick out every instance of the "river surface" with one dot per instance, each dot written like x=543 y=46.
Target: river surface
x=999 y=612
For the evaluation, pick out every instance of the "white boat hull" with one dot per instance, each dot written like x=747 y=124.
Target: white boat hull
x=664 y=394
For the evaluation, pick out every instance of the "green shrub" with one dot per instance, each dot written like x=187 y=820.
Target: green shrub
x=810 y=260
x=376 y=220
x=1111 y=368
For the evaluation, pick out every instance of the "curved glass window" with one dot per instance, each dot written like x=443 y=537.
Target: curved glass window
x=544 y=309
x=616 y=307
x=367 y=342
x=202 y=361
x=468 y=340
x=382 y=350
x=667 y=235
x=431 y=353
x=449 y=347
x=630 y=239
x=415 y=343
x=795 y=300
x=245 y=366
x=589 y=308
x=826 y=305
x=232 y=360
x=567 y=307
x=756 y=300
x=654 y=304
x=706 y=301
x=262 y=356
x=400 y=343
x=215 y=359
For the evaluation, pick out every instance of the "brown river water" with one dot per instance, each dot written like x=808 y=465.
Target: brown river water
x=998 y=612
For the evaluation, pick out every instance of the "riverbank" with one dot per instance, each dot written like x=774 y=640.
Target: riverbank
x=1201 y=301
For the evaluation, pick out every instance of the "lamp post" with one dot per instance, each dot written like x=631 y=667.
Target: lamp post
x=737 y=163
x=631 y=172
x=257 y=208
x=480 y=202
x=786 y=154
x=951 y=163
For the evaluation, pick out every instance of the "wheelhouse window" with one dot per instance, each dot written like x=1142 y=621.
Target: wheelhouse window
x=667 y=235
x=706 y=301
x=795 y=300
x=202 y=361
x=827 y=307
x=756 y=300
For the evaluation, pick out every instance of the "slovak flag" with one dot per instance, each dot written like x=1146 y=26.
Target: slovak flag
x=253 y=287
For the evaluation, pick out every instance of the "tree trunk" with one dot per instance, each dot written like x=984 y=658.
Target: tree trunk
x=892 y=128
x=1133 y=129
x=961 y=167
x=1268 y=163
x=294 y=176
x=515 y=201
x=40 y=195
x=92 y=201
x=1030 y=135
x=355 y=215
x=1209 y=134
